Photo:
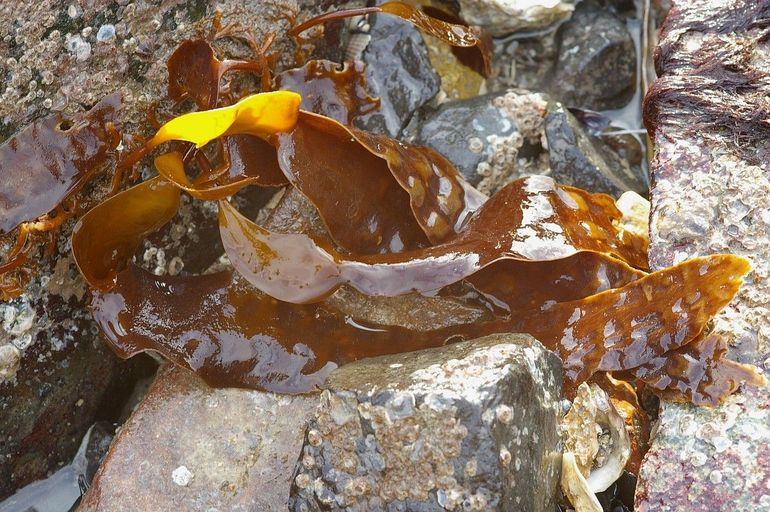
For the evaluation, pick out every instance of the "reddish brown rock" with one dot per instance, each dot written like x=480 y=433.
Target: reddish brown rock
x=191 y=447
x=711 y=193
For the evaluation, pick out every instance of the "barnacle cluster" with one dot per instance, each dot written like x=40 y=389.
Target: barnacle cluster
x=539 y=257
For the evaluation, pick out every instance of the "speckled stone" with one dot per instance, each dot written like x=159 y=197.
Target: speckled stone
x=470 y=426
x=710 y=195
x=486 y=137
x=596 y=67
x=238 y=448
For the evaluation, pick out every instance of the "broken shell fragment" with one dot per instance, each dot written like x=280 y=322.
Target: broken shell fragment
x=575 y=487
x=596 y=436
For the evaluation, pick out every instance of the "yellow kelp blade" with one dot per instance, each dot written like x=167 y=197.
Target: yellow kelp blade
x=260 y=114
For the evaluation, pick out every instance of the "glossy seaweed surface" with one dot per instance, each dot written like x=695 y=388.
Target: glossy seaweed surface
x=393 y=219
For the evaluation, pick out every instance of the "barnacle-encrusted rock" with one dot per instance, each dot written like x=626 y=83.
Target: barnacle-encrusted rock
x=470 y=426
x=484 y=136
x=501 y=17
x=711 y=188
x=240 y=447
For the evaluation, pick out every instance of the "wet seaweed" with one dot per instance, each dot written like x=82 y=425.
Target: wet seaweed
x=44 y=168
x=718 y=87
x=391 y=219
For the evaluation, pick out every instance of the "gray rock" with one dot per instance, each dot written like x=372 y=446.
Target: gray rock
x=525 y=63
x=711 y=195
x=584 y=161
x=190 y=447
x=501 y=17
x=596 y=68
x=398 y=71
x=470 y=426
x=485 y=136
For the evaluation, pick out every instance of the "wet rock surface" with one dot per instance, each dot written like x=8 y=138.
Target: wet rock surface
x=62 y=55
x=63 y=489
x=582 y=160
x=398 y=71
x=57 y=377
x=710 y=195
x=501 y=17
x=190 y=447
x=470 y=426
x=483 y=136
x=596 y=64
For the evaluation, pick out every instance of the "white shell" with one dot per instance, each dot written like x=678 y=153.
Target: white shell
x=592 y=413
x=575 y=486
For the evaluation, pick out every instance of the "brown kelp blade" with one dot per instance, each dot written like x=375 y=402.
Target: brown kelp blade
x=233 y=335
x=330 y=89
x=52 y=159
x=363 y=207
x=699 y=372
x=381 y=180
x=106 y=237
x=249 y=157
x=530 y=219
x=172 y=167
x=627 y=327
x=523 y=285
x=453 y=33
x=440 y=198
x=194 y=71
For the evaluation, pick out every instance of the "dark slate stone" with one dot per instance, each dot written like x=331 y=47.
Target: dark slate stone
x=584 y=161
x=399 y=72
x=452 y=127
x=596 y=67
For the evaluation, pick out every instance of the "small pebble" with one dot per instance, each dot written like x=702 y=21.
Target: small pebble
x=105 y=33
x=182 y=476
